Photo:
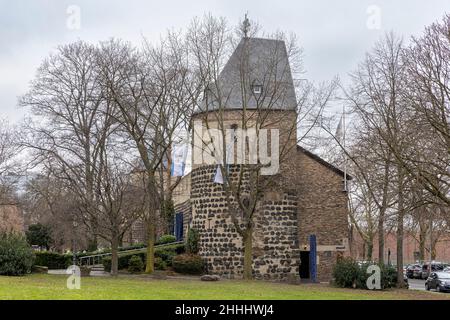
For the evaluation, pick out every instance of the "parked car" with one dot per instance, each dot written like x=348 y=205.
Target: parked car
x=439 y=281
x=417 y=271
x=435 y=267
x=410 y=270
x=447 y=269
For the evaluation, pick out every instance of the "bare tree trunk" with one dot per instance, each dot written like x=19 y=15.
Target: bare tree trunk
x=384 y=204
x=151 y=222
x=114 y=254
x=381 y=238
x=369 y=250
x=364 y=250
x=248 y=253
x=422 y=241
x=400 y=282
x=150 y=261
x=433 y=249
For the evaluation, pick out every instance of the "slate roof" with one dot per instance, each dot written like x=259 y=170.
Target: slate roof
x=255 y=62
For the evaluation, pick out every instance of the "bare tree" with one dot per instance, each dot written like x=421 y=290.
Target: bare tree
x=149 y=90
x=427 y=62
x=9 y=149
x=65 y=101
x=377 y=97
x=77 y=140
x=47 y=201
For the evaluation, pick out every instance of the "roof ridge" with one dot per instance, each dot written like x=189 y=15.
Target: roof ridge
x=324 y=162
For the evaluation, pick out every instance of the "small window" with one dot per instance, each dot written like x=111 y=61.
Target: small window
x=257 y=89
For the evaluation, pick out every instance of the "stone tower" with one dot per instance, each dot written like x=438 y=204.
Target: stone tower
x=255 y=87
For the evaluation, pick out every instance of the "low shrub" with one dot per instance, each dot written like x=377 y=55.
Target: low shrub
x=53 y=260
x=347 y=273
x=193 y=239
x=167 y=238
x=188 y=264
x=39 y=269
x=135 y=264
x=123 y=261
x=160 y=264
x=165 y=253
x=132 y=247
x=388 y=276
x=106 y=261
x=16 y=255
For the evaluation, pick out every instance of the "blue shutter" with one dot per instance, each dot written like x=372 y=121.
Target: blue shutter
x=179 y=226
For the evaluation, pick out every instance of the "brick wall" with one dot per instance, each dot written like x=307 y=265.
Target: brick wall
x=322 y=208
x=410 y=247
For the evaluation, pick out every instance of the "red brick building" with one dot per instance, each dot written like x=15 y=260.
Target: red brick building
x=410 y=248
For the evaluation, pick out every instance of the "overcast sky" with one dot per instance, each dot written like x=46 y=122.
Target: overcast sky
x=334 y=34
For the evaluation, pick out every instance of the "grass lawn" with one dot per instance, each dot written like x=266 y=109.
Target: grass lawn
x=144 y=287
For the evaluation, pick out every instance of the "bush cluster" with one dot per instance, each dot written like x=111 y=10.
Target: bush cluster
x=135 y=264
x=163 y=257
x=16 y=255
x=188 y=264
x=347 y=273
x=53 y=260
x=167 y=238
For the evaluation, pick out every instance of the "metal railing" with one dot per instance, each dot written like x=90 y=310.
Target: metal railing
x=96 y=259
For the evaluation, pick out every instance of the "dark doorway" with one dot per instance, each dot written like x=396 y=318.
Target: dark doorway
x=304 y=264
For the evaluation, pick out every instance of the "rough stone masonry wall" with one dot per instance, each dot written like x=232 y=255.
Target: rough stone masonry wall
x=275 y=247
x=276 y=253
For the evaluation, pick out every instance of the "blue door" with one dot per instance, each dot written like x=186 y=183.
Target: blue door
x=313 y=257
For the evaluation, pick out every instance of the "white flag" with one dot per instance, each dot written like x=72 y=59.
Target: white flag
x=340 y=131
x=179 y=154
x=218 y=178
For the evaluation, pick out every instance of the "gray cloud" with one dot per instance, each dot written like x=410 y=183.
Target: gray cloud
x=333 y=33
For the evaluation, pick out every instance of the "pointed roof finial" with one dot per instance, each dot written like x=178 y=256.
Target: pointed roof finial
x=246 y=25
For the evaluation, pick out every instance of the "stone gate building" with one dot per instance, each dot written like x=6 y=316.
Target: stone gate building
x=306 y=197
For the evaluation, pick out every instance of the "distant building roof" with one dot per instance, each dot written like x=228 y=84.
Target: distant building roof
x=256 y=64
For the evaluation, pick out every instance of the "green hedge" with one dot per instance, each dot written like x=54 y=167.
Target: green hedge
x=188 y=264
x=165 y=254
x=167 y=238
x=53 y=260
x=347 y=273
x=16 y=255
